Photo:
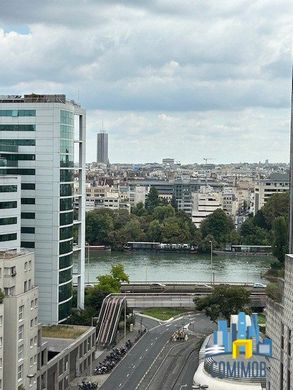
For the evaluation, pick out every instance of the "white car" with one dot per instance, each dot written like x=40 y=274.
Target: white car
x=259 y=285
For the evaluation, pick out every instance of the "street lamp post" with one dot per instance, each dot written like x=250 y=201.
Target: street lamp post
x=247 y=272
x=212 y=274
x=88 y=262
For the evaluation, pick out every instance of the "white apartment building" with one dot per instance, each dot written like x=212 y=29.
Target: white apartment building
x=9 y=212
x=276 y=183
x=204 y=203
x=100 y=197
x=18 y=321
x=230 y=202
x=137 y=195
x=45 y=131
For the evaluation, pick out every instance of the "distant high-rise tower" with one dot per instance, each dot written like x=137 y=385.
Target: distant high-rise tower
x=102 y=148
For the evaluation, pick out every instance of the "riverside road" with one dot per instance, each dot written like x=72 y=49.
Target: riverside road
x=155 y=363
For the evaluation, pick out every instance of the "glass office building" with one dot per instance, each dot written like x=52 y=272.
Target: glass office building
x=38 y=137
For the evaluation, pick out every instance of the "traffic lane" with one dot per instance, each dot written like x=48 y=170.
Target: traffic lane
x=161 y=337
x=202 y=324
x=141 y=353
x=186 y=376
x=147 y=323
x=129 y=372
x=168 y=372
x=131 y=369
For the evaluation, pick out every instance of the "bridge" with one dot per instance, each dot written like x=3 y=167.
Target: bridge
x=186 y=300
x=114 y=304
x=183 y=287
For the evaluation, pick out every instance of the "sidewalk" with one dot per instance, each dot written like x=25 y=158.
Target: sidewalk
x=101 y=355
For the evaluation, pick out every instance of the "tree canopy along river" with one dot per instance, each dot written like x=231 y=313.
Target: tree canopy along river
x=148 y=266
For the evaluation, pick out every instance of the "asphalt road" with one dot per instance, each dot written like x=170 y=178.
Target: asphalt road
x=145 y=363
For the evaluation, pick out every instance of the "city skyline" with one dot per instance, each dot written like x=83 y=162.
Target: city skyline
x=146 y=71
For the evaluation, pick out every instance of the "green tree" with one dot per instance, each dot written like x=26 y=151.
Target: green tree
x=99 y=223
x=163 y=212
x=280 y=234
x=260 y=220
x=252 y=234
x=205 y=244
x=276 y=206
x=111 y=283
x=154 y=232
x=139 y=209
x=224 y=301
x=152 y=200
x=132 y=231
x=219 y=225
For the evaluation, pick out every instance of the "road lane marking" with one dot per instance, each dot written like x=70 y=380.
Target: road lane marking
x=151 y=366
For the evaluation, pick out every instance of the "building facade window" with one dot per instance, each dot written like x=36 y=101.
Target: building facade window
x=20 y=332
x=20 y=372
x=17 y=171
x=20 y=312
x=27 y=229
x=66 y=218
x=8 y=221
x=28 y=215
x=17 y=142
x=66 y=232
x=8 y=188
x=8 y=237
x=28 y=201
x=8 y=205
x=65 y=261
x=17 y=127
x=16 y=113
x=28 y=186
x=27 y=244
x=66 y=204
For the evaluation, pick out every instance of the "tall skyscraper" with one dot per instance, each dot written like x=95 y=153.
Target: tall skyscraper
x=102 y=148
x=37 y=138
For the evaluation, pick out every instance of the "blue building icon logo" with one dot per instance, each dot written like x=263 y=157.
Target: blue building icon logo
x=242 y=339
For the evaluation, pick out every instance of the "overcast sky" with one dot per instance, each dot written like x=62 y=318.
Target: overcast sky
x=186 y=79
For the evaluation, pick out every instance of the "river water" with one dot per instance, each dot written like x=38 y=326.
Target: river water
x=150 y=266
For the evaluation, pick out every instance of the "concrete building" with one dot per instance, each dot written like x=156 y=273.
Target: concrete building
x=65 y=352
x=168 y=161
x=137 y=195
x=280 y=313
x=102 y=148
x=18 y=320
x=275 y=183
x=40 y=130
x=9 y=212
x=101 y=197
x=230 y=202
x=205 y=202
x=280 y=329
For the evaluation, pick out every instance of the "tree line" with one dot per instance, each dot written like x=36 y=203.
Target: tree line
x=161 y=222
